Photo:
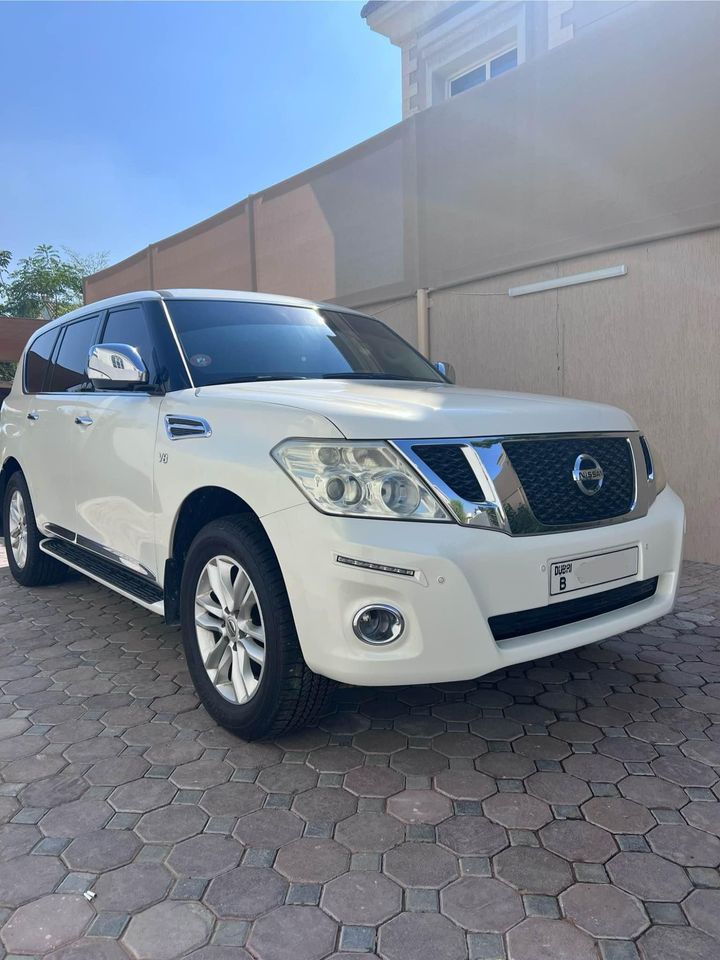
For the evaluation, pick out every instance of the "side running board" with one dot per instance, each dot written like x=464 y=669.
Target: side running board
x=132 y=585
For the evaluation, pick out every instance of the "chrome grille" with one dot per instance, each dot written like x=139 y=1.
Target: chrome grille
x=545 y=470
x=524 y=485
x=449 y=462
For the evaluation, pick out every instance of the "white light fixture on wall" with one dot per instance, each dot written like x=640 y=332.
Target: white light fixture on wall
x=570 y=281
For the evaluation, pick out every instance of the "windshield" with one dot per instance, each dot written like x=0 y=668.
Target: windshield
x=229 y=341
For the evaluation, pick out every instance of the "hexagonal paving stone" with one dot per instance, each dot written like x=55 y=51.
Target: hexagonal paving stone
x=369 y=832
x=76 y=818
x=17 y=839
x=28 y=877
x=420 y=806
x=649 y=876
x=421 y=936
x=132 y=888
x=465 y=784
x=335 y=759
x=618 y=815
x=497 y=728
x=558 y=788
x=287 y=778
x=63 y=788
x=246 y=892
x=201 y=774
x=101 y=850
x=577 y=841
x=303 y=933
x=541 y=748
x=170 y=824
x=253 y=755
x=47 y=924
x=379 y=741
x=90 y=948
x=326 y=804
x=458 y=744
x=364 y=898
x=115 y=771
x=533 y=870
x=685 y=772
x=540 y=939
x=269 y=828
x=703 y=911
x=653 y=792
x=482 y=904
x=418 y=762
x=139 y=796
x=678 y=943
x=312 y=860
x=604 y=911
x=205 y=856
x=472 y=835
x=517 y=811
x=168 y=930
x=374 y=781
x=574 y=732
x=505 y=766
x=421 y=865
x=232 y=799
x=703 y=815
x=685 y=845
x=594 y=768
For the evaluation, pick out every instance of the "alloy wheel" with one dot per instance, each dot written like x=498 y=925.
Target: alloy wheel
x=17 y=525
x=230 y=629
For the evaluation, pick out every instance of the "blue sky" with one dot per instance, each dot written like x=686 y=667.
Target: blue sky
x=124 y=122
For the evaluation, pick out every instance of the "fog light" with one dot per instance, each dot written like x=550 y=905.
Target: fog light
x=378 y=624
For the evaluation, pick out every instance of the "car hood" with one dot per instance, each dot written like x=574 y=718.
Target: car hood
x=405 y=411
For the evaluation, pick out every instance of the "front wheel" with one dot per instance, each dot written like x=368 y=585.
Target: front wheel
x=239 y=636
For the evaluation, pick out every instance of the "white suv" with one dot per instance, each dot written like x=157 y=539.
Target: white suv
x=312 y=499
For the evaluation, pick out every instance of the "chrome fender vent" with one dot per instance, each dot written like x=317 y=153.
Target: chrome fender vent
x=185 y=428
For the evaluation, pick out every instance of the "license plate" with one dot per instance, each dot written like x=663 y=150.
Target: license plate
x=579 y=573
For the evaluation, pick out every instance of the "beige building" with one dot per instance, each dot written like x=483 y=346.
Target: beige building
x=591 y=169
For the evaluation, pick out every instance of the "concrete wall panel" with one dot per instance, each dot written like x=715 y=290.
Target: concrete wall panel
x=215 y=254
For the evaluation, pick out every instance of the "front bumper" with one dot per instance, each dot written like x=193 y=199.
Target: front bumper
x=464 y=576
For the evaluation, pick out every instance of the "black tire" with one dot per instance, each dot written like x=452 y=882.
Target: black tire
x=39 y=569
x=289 y=694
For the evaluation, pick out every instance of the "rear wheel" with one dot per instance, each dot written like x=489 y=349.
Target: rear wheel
x=28 y=564
x=239 y=636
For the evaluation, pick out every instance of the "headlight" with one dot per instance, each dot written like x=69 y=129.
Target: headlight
x=357 y=480
x=653 y=465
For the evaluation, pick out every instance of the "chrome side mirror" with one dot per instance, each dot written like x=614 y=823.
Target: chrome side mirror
x=115 y=365
x=445 y=369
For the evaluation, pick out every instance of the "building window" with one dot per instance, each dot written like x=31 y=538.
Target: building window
x=491 y=68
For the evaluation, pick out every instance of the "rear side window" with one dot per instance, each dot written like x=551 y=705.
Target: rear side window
x=68 y=370
x=37 y=361
x=130 y=326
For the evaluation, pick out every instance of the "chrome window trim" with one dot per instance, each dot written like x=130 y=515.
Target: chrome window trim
x=499 y=482
x=175 y=337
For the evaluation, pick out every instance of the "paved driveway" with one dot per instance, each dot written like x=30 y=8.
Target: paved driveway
x=564 y=810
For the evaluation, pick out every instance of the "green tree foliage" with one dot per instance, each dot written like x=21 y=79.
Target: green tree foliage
x=44 y=285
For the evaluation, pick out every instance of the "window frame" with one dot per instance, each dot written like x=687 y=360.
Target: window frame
x=43 y=333
x=58 y=347
x=486 y=62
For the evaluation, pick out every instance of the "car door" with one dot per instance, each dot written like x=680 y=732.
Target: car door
x=51 y=448
x=115 y=447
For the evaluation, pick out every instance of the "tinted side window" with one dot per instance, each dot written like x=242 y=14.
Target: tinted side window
x=129 y=325
x=37 y=361
x=68 y=372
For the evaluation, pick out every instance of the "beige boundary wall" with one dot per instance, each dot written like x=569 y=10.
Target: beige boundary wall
x=594 y=155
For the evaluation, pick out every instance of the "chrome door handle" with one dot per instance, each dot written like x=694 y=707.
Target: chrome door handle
x=83 y=421
x=33 y=415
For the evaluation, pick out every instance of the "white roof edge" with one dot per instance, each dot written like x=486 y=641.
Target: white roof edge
x=248 y=296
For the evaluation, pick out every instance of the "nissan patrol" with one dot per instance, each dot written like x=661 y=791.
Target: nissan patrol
x=313 y=501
